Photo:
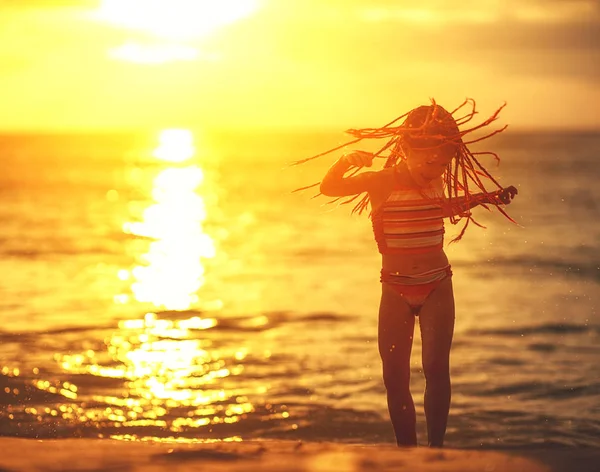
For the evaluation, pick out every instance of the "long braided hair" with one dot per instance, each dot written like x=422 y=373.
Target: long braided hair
x=431 y=127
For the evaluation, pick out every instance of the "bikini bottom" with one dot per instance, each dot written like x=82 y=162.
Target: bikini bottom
x=415 y=289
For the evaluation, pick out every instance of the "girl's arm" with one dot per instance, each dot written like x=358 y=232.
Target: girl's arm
x=334 y=184
x=460 y=205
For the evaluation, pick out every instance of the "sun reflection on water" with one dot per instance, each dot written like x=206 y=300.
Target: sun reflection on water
x=165 y=366
x=170 y=371
x=171 y=272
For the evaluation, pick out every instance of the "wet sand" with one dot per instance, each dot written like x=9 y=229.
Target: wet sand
x=269 y=456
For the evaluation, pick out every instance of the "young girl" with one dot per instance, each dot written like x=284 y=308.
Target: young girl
x=428 y=175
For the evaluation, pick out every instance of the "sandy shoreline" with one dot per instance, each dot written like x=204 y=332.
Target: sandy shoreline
x=111 y=455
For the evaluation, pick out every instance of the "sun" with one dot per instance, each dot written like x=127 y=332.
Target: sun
x=170 y=24
x=175 y=19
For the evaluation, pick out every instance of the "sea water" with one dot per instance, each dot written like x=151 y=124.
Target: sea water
x=170 y=285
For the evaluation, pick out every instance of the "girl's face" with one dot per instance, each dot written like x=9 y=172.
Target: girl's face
x=426 y=165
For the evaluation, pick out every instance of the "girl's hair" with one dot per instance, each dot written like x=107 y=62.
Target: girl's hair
x=431 y=127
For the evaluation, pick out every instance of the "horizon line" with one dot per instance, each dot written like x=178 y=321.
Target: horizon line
x=258 y=129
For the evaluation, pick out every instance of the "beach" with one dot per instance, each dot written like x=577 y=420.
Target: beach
x=21 y=455
x=177 y=294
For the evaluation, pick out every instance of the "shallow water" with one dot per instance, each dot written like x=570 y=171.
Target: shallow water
x=149 y=294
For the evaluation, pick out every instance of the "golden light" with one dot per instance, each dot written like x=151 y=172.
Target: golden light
x=173 y=271
x=154 y=54
x=176 y=373
x=176 y=145
x=166 y=369
x=170 y=273
x=175 y=19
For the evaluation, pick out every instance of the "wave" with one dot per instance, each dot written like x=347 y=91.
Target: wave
x=27 y=336
x=587 y=270
x=244 y=323
x=538 y=390
x=34 y=254
x=546 y=328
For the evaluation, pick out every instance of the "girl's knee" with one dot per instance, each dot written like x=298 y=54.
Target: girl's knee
x=396 y=378
x=436 y=370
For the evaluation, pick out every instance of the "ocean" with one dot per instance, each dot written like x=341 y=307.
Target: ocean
x=170 y=286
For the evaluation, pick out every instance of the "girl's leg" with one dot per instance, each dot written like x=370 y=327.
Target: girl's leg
x=436 y=320
x=396 y=329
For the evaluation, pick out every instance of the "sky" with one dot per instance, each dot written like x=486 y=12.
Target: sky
x=137 y=64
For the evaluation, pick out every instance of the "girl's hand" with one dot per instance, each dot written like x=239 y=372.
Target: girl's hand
x=359 y=158
x=507 y=194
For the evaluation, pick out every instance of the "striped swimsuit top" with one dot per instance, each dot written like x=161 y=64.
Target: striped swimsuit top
x=410 y=221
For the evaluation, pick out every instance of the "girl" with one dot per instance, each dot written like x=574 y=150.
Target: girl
x=428 y=175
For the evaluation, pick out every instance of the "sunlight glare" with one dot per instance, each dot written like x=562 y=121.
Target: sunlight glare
x=175 y=145
x=175 y=19
x=171 y=271
x=154 y=54
x=172 y=381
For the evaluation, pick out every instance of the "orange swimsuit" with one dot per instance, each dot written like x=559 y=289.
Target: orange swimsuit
x=411 y=222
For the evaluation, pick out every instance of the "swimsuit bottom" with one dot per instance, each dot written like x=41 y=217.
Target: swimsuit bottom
x=416 y=288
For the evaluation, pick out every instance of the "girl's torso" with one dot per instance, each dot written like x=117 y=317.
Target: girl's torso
x=419 y=247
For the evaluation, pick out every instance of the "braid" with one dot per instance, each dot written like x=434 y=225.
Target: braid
x=427 y=128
